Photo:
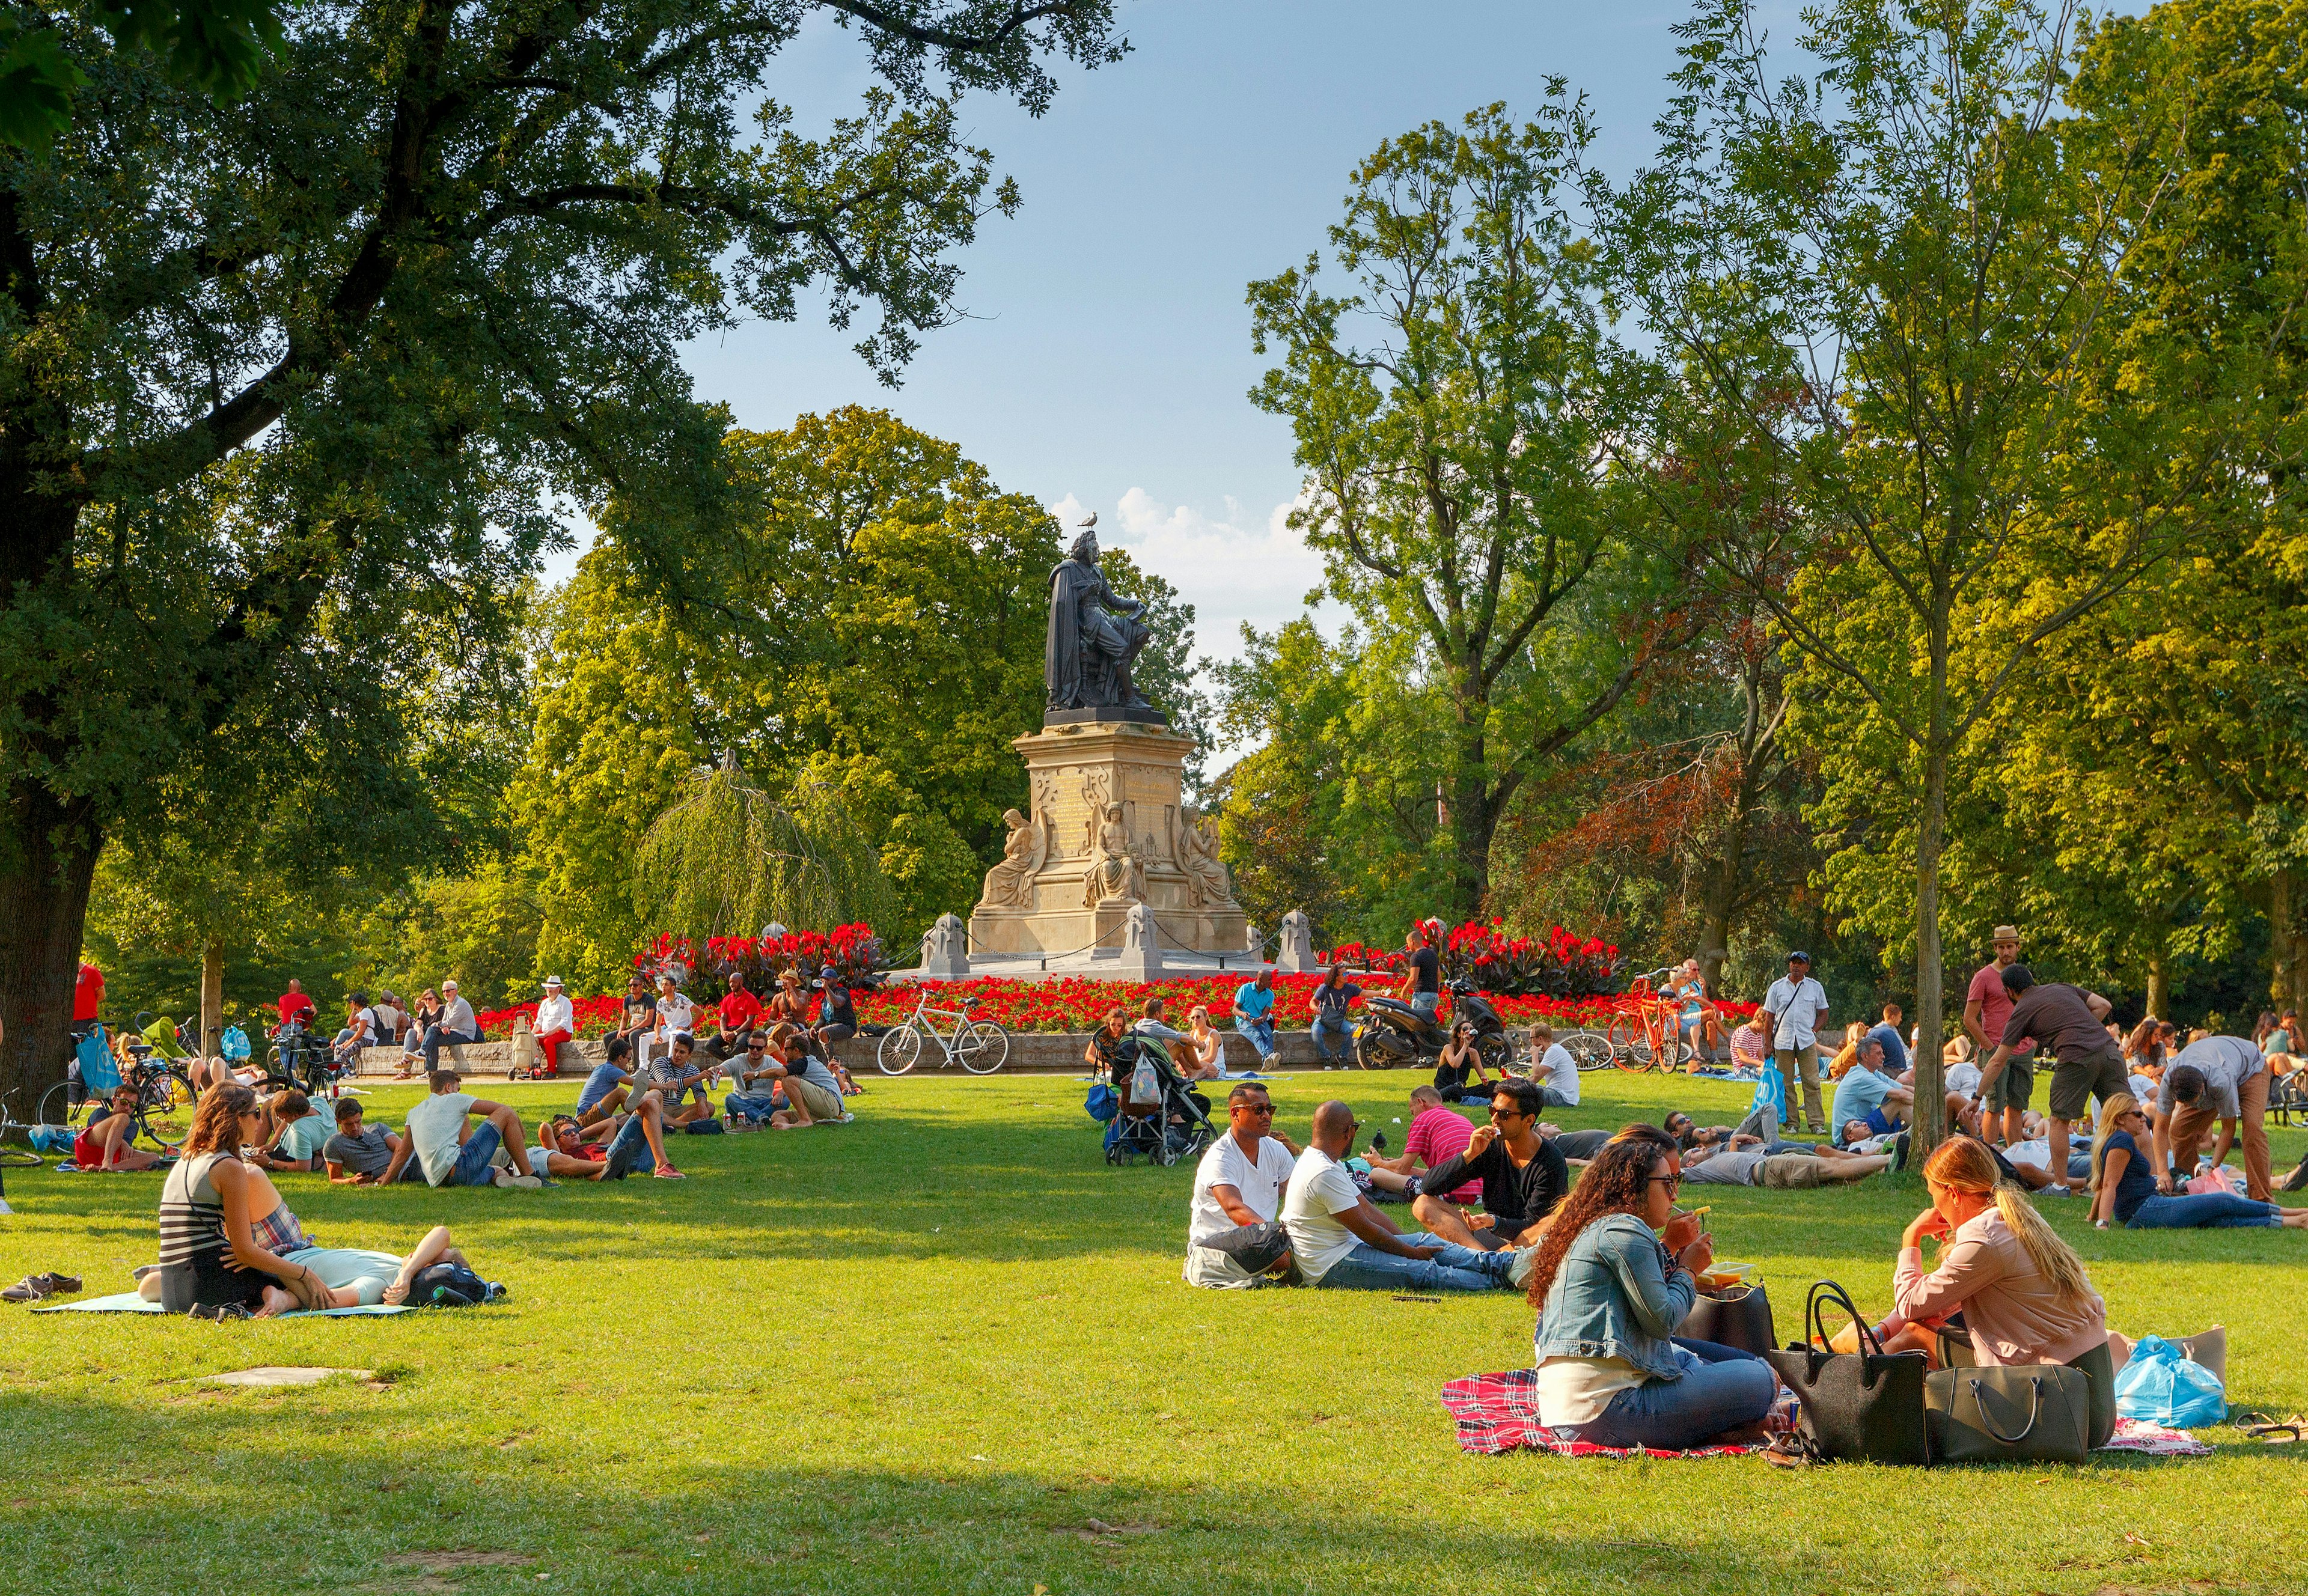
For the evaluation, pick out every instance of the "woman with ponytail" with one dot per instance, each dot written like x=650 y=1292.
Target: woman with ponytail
x=2022 y=1291
x=1610 y=1296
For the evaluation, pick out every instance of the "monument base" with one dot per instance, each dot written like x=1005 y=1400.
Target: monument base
x=1076 y=770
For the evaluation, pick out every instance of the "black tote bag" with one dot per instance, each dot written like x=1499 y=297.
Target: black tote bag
x=1741 y=1319
x=1863 y=1406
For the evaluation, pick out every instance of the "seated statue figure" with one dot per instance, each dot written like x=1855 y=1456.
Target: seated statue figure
x=1093 y=636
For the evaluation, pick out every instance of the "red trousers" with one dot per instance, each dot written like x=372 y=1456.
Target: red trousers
x=549 y=1045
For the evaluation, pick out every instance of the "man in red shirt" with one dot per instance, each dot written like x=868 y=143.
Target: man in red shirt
x=741 y=1011
x=88 y=995
x=1436 y=1133
x=1987 y=1006
x=294 y=1006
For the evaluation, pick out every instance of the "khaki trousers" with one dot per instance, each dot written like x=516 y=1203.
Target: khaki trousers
x=2188 y=1124
x=1803 y=1062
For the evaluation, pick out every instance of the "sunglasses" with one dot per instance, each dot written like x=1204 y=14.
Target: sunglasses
x=1674 y=1182
x=1500 y=1114
x=1259 y=1108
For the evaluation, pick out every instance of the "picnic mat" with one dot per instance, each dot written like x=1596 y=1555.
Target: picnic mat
x=1499 y=1412
x=130 y=1303
x=2145 y=1435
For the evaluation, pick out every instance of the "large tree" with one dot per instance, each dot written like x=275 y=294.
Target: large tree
x=1899 y=280
x=1452 y=411
x=279 y=374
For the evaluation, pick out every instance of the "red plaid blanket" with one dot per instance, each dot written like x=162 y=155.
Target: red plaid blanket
x=1499 y=1412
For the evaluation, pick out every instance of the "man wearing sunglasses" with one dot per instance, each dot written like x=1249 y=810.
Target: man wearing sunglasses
x=1523 y=1176
x=1343 y=1243
x=1239 y=1182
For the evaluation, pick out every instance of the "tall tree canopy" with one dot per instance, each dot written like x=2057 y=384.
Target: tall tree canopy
x=276 y=376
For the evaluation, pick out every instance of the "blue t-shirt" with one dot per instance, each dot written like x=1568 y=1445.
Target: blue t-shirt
x=305 y=1137
x=606 y=1079
x=1857 y=1095
x=1251 y=1003
x=1895 y=1051
x=2137 y=1184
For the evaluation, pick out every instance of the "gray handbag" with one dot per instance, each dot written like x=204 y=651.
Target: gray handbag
x=2018 y=1413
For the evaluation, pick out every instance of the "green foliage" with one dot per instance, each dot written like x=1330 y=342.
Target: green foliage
x=478 y=929
x=216 y=46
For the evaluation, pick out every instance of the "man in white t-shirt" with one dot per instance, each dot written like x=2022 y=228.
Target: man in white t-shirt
x=1798 y=1005
x=1239 y=1181
x=1342 y=1241
x=1552 y=1067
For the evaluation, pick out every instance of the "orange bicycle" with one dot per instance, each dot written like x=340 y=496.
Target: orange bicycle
x=1648 y=1032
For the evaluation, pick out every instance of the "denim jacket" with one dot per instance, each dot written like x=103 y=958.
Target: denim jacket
x=1618 y=1294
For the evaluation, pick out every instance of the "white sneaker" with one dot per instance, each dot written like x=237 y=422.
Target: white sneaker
x=2056 y=1189
x=507 y=1178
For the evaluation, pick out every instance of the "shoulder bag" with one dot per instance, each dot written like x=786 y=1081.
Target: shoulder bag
x=1740 y=1317
x=1867 y=1405
x=2019 y=1412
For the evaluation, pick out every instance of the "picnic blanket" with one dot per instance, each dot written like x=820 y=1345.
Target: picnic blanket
x=2145 y=1435
x=130 y=1303
x=1499 y=1412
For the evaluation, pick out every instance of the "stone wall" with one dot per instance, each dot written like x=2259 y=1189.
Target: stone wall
x=1031 y=1052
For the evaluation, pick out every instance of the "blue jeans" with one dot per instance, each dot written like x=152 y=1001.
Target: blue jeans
x=1332 y=1024
x=751 y=1105
x=436 y=1039
x=472 y=1166
x=630 y=1148
x=1261 y=1035
x=1715 y=1393
x=1452 y=1269
x=1424 y=1003
x=599 y=1084
x=2211 y=1210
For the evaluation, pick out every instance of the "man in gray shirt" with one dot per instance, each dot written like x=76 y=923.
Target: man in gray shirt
x=1744 y=1160
x=2214 y=1077
x=456 y=1025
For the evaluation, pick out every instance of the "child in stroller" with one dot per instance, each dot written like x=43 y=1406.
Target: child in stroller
x=1160 y=1117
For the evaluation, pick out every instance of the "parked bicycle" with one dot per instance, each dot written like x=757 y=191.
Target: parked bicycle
x=980 y=1046
x=1648 y=1035
x=16 y=1158
x=164 y=1098
x=300 y=1062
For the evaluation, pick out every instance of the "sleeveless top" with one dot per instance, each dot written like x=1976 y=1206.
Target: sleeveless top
x=191 y=1214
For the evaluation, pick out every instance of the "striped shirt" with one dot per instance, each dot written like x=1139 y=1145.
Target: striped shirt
x=191 y=1214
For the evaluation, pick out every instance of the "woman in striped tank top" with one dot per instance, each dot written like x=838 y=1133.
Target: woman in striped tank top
x=210 y=1257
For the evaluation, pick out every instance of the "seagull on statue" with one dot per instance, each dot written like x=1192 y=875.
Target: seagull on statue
x=1087 y=521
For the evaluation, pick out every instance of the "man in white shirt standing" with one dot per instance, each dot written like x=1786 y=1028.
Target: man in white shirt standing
x=1798 y=1005
x=1552 y=1067
x=1239 y=1181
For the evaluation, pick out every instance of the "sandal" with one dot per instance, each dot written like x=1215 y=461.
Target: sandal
x=2277 y=1433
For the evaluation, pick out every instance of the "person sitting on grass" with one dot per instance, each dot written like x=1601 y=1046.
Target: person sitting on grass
x=1867 y=1102
x=678 y=1073
x=1239 y=1181
x=1553 y=1068
x=1522 y=1173
x=755 y=1091
x=1436 y=1133
x=1751 y=1043
x=103 y=1143
x=2022 y=1291
x=1459 y=1074
x=812 y=1097
x=1745 y=1161
x=1254 y=1016
x=360 y=1153
x=1610 y=1294
x=2124 y=1180
x=296 y=1135
x=452 y=1152
x=211 y=1257
x=1343 y=1243
x=610 y=1078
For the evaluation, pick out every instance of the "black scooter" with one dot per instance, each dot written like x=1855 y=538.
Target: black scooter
x=1393 y=1035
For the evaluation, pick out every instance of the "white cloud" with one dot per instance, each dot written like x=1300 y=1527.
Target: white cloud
x=1232 y=569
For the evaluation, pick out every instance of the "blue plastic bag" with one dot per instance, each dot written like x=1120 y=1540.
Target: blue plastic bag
x=97 y=1072
x=2162 y=1385
x=1101 y=1105
x=1770 y=1093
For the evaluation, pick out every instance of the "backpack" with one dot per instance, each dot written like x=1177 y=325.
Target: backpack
x=450 y=1285
x=234 y=1043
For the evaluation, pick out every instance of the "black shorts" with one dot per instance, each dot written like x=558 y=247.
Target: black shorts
x=211 y=1280
x=2102 y=1075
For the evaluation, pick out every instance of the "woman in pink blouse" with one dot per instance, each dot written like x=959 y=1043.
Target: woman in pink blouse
x=2022 y=1291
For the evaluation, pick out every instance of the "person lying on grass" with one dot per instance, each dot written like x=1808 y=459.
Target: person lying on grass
x=1745 y=1161
x=222 y=1226
x=2022 y=1291
x=628 y=1143
x=1523 y=1176
x=359 y=1153
x=1610 y=1293
x=351 y=1276
x=1341 y=1241
x=451 y=1151
x=103 y=1142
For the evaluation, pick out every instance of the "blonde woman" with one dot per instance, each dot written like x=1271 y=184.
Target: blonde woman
x=2124 y=1181
x=1848 y=1054
x=2022 y=1291
x=1208 y=1045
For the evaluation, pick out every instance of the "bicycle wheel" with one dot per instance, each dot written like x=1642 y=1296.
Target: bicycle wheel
x=60 y=1105
x=1629 y=1049
x=19 y=1158
x=1588 y=1050
x=982 y=1048
x=164 y=1109
x=900 y=1050
x=1497 y=1057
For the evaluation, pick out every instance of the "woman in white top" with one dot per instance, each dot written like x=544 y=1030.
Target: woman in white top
x=1209 y=1046
x=674 y=1017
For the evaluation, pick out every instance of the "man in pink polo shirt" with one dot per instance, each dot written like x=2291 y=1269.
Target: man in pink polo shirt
x=1987 y=1006
x=1436 y=1133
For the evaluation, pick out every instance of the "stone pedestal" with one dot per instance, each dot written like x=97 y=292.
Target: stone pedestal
x=1053 y=897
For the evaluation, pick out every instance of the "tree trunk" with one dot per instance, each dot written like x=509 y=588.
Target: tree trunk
x=47 y=859
x=1931 y=1088
x=212 y=998
x=1471 y=825
x=2159 y=985
x=2287 y=941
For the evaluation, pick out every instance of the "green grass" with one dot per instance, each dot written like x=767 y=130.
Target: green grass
x=922 y=1352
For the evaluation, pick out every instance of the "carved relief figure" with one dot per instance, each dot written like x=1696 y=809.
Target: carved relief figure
x=1114 y=871
x=1045 y=804
x=1197 y=847
x=1010 y=883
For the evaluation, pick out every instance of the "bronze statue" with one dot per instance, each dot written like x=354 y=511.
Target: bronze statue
x=1093 y=636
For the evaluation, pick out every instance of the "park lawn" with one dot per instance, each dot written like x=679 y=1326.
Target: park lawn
x=925 y=1351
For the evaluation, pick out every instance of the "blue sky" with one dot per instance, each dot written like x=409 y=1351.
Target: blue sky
x=1108 y=362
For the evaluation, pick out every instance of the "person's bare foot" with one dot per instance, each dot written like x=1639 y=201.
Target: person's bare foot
x=276 y=1303
x=1747 y=1434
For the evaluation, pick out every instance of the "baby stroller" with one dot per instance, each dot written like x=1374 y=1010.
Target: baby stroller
x=1157 y=1115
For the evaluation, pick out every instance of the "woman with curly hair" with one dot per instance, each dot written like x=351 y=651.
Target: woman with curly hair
x=1610 y=1294
x=212 y=1256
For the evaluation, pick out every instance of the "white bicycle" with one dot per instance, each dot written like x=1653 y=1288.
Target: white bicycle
x=980 y=1046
